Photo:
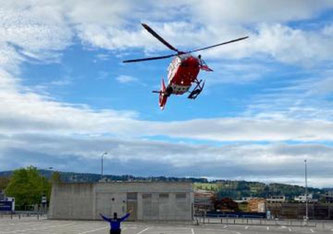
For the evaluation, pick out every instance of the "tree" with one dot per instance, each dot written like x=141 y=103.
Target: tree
x=56 y=178
x=4 y=181
x=27 y=186
x=224 y=204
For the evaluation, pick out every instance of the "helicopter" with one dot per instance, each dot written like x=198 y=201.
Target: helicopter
x=182 y=71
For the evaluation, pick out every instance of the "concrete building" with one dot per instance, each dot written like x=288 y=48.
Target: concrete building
x=147 y=200
x=276 y=199
x=328 y=197
x=245 y=199
x=302 y=198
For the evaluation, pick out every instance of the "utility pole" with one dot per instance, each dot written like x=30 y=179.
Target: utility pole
x=102 y=161
x=306 y=191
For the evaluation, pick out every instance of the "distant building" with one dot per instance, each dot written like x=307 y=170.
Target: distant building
x=327 y=197
x=203 y=200
x=302 y=198
x=245 y=199
x=276 y=199
x=7 y=203
x=297 y=210
x=257 y=205
x=147 y=200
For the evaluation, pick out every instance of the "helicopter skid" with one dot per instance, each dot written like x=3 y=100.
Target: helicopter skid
x=197 y=90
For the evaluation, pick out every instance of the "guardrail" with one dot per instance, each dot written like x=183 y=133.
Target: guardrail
x=23 y=214
x=254 y=221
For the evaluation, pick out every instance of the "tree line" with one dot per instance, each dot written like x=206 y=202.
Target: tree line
x=28 y=186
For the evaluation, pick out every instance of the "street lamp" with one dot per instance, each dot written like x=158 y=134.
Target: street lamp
x=306 y=191
x=102 y=158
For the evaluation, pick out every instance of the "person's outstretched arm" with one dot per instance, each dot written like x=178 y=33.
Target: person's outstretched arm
x=105 y=218
x=125 y=217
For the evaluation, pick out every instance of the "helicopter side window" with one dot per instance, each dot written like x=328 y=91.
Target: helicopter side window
x=184 y=64
x=203 y=63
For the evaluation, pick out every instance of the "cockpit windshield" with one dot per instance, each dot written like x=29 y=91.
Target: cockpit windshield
x=184 y=56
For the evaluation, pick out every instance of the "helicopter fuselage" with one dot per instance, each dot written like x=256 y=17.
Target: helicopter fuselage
x=182 y=72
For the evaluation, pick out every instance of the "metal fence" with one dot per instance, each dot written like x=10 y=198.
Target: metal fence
x=254 y=221
x=23 y=214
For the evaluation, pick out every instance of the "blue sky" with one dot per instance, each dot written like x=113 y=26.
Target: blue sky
x=66 y=96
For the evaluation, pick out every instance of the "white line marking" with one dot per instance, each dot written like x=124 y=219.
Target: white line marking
x=95 y=230
x=39 y=229
x=267 y=228
x=311 y=230
x=143 y=230
x=289 y=229
x=225 y=226
x=246 y=227
x=192 y=231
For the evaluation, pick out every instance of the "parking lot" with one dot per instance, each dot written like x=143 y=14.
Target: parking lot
x=34 y=226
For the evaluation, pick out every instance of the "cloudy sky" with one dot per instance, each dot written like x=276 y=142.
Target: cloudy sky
x=66 y=97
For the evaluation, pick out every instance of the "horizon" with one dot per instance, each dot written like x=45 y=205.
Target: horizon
x=209 y=180
x=67 y=98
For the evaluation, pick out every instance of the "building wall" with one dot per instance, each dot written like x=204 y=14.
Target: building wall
x=72 y=200
x=147 y=200
x=297 y=210
x=257 y=205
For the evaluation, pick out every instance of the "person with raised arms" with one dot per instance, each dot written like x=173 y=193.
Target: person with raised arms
x=115 y=222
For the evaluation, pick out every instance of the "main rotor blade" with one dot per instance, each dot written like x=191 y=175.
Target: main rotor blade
x=151 y=58
x=208 y=47
x=149 y=29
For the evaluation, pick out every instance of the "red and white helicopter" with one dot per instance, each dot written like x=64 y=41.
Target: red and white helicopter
x=182 y=71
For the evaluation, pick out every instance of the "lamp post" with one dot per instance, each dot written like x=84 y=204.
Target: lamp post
x=306 y=191
x=102 y=161
x=43 y=206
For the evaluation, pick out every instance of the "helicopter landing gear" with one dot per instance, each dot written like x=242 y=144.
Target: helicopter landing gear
x=197 y=89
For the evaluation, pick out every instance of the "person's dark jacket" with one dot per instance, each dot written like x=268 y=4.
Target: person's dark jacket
x=115 y=223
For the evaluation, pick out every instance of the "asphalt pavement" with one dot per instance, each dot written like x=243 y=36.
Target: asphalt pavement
x=43 y=226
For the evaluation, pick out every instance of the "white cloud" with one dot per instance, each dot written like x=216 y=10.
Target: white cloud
x=306 y=96
x=41 y=27
x=126 y=79
x=29 y=112
x=268 y=163
x=257 y=11
x=220 y=21
x=294 y=45
x=274 y=41
x=321 y=86
x=236 y=72
x=31 y=31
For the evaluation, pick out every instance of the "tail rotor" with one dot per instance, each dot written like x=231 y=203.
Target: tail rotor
x=163 y=96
